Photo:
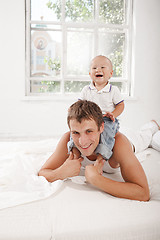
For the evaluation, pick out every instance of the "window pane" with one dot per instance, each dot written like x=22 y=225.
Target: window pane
x=46 y=52
x=89 y=28
x=45 y=86
x=76 y=10
x=112 y=11
x=74 y=86
x=46 y=10
x=112 y=45
x=123 y=86
x=79 y=51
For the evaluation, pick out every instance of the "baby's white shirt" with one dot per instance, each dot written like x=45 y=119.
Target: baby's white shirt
x=107 y=98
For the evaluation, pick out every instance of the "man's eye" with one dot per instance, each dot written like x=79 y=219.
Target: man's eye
x=89 y=131
x=75 y=133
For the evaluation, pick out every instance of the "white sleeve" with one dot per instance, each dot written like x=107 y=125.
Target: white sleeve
x=117 y=97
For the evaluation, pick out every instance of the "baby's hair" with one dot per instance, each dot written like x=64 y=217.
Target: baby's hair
x=103 y=57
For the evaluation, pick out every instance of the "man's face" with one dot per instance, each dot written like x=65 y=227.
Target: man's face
x=85 y=135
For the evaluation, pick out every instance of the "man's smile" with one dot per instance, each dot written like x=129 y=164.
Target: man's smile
x=85 y=147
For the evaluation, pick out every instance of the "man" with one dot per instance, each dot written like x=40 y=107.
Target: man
x=86 y=124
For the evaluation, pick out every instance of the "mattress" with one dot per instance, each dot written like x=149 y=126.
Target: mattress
x=76 y=210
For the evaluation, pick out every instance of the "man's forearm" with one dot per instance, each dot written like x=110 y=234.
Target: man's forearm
x=120 y=189
x=51 y=175
x=70 y=168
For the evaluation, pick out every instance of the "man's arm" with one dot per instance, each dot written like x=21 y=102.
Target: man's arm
x=135 y=186
x=60 y=165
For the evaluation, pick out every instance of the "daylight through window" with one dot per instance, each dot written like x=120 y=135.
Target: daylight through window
x=62 y=36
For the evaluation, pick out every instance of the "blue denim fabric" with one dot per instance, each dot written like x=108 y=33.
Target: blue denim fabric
x=107 y=139
x=70 y=144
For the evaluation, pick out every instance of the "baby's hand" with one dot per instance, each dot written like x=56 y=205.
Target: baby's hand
x=109 y=115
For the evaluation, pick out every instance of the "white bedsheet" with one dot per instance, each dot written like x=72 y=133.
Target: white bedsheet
x=19 y=164
x=71 y=209
x=84 y=212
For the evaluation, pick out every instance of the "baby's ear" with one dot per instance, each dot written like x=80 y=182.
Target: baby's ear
x=76 y=153
x=111 y=73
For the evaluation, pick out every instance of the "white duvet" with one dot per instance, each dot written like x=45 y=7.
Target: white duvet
x=71 y=209
x=19 y=164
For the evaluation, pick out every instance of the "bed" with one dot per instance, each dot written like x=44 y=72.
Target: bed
x=33 y=209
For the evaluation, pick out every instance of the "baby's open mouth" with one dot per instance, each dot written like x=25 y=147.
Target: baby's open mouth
x=99 y=75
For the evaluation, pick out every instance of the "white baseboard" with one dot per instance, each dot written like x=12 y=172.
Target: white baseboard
x=10 y=137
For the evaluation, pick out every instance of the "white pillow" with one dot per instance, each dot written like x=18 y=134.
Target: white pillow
x=155 y=143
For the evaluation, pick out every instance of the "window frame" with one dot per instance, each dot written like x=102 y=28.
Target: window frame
x=95 y=25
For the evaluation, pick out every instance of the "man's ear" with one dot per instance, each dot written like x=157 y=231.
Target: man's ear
x=102 y=127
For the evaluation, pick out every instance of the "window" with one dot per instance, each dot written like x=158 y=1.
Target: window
x=62 y=36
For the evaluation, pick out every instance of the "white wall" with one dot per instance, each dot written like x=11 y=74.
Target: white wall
x=31 y=118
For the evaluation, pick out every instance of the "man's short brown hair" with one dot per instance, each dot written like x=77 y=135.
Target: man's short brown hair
x=85 y=110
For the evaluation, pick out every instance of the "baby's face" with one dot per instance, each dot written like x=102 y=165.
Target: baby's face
x=101 y=71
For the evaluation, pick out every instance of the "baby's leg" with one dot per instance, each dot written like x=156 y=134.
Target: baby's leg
x=107 y=138
x=142 y=139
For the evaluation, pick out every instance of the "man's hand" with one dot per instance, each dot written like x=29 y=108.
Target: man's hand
x=95 y=170
x=109 y=115
x=71 y=167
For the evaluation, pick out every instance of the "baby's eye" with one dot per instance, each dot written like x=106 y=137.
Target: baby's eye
x=94 y=68
x=102 y=67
